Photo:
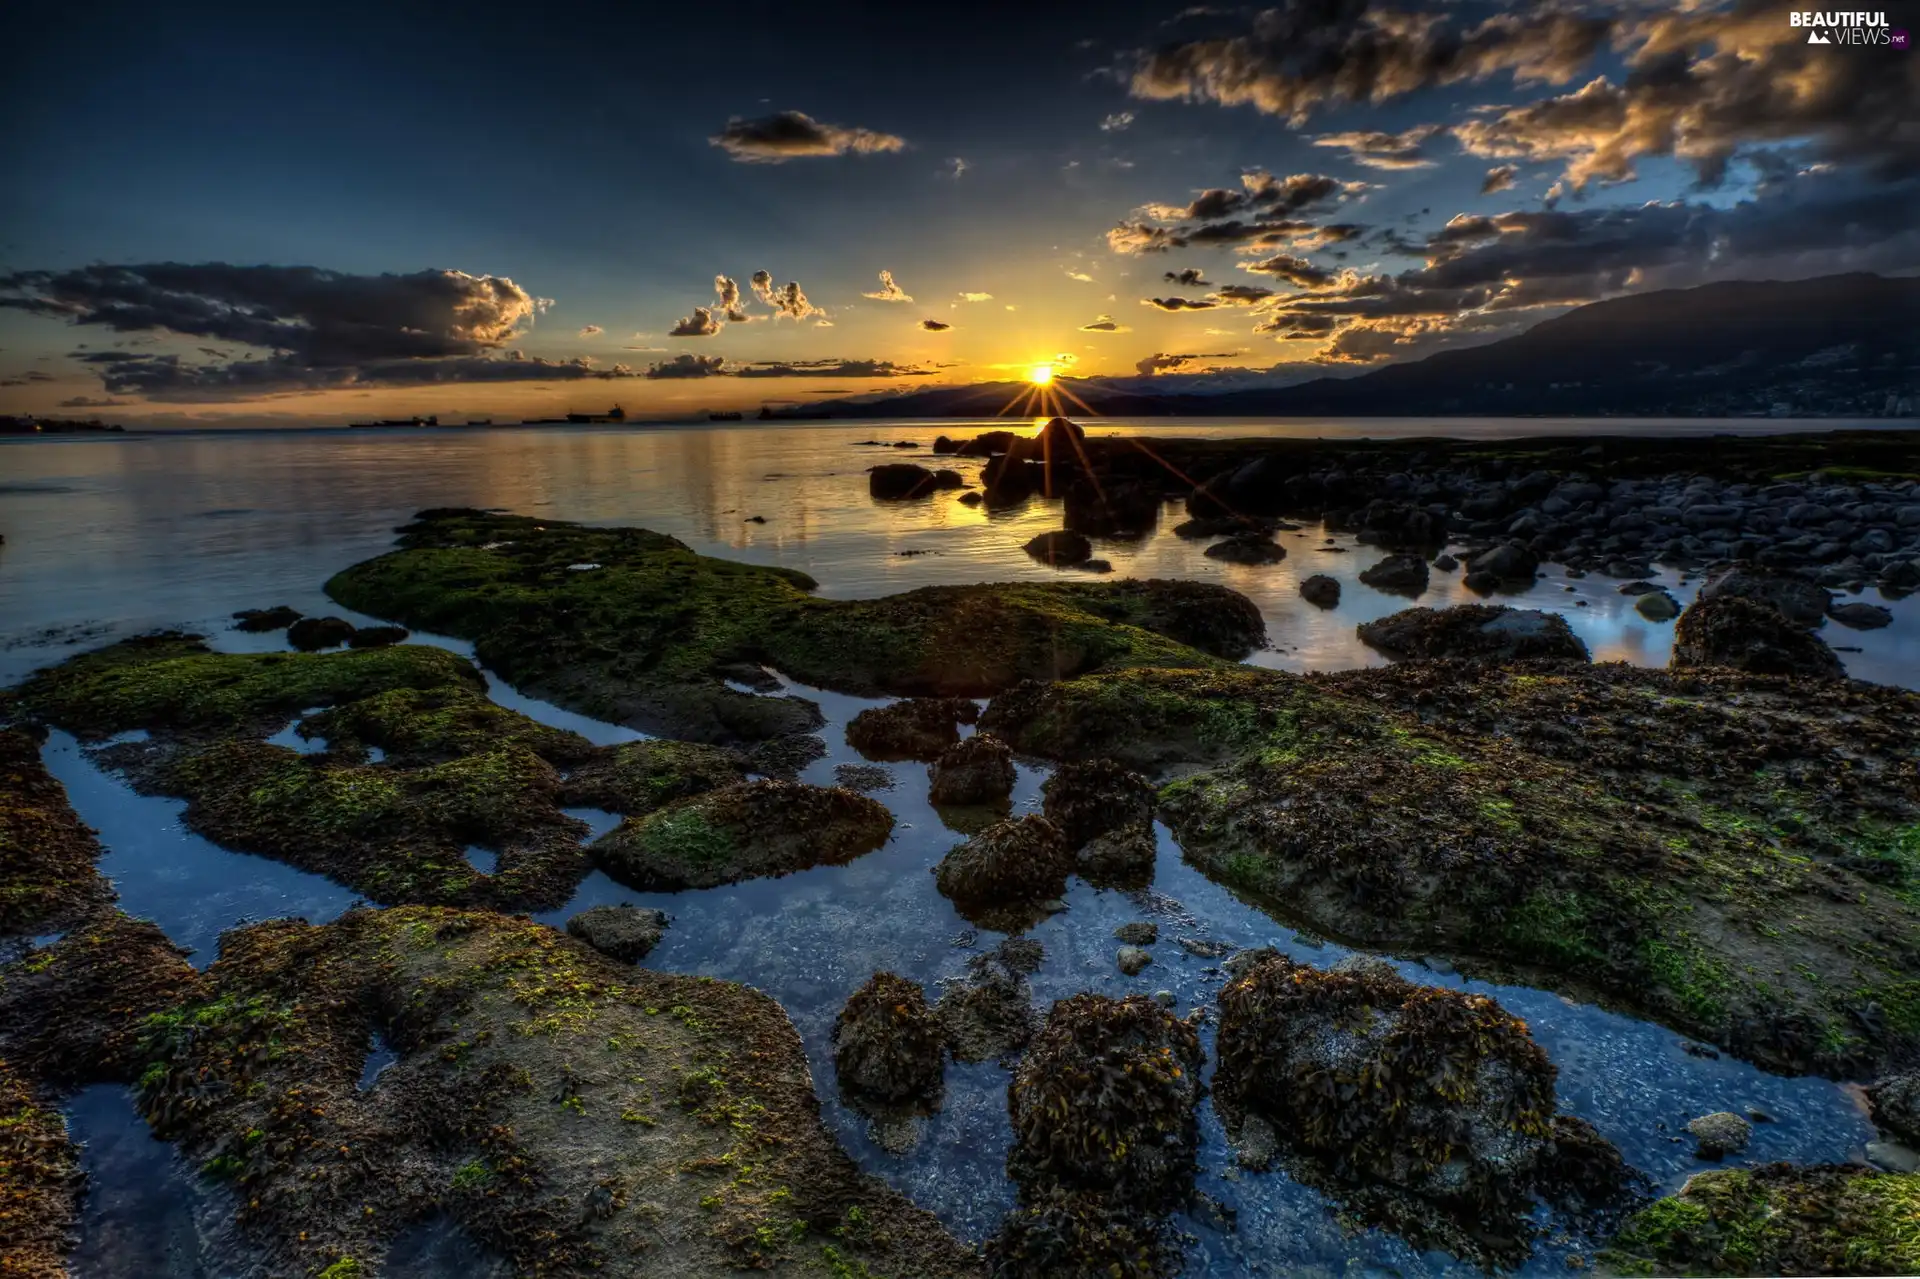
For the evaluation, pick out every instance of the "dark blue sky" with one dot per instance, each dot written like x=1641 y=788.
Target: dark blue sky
x=569 y=149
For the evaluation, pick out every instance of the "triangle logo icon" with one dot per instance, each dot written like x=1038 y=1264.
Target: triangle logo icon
x=1814 y=37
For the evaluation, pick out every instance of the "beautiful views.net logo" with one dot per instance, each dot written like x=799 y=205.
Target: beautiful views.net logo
x=1847 y=28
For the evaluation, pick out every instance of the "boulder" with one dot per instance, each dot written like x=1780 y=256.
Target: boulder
x=1062 y=548
x=1121 y=858
x=1720 y=1134
x=1247 y=548
x=1321 y=591
x=1895 y=1103
x=259 y=620
x=1657 y=606
x=1802 y=602
x=1488 y=631
x=1131 y=959
x=1115 y=508
x=1398 y=575
x=978 y=770
x=899 y=481
x=1017 y=861
x=1138 y=932
x=914 y=728
x=1510 y=562
x=311 y=634
x=1087 y=800
x=1750 y=635
x=1861 y=616
x=624 y=932
x=887 y=1043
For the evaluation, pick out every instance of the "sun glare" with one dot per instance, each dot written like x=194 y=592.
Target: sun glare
x=1040 y=374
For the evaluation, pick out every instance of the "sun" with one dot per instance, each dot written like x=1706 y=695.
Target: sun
x=1040 y=374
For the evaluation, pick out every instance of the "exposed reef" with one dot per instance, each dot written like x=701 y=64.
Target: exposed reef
x=47 y=855
x=739 y=832
x=642 y=637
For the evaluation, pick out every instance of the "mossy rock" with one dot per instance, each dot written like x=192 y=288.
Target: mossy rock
x=988 y=1013
x=1830 y=1219
x=638 y=777
x=47 y=854
x=417 y=726
x=554 y=1105
x=742 y=832
x=643 y=638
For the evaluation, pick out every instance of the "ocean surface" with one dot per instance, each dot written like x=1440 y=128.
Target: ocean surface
x=110 y=536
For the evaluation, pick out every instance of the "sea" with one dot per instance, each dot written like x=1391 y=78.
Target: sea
x=113 y=535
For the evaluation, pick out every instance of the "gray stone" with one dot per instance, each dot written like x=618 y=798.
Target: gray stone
x=1721 y=1133
x=1132 y=959
x=1860 y=615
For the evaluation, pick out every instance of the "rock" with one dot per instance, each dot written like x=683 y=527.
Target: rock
x=947 y=480
x=915 y=728
x=1257 y=1144
x=1086 y=800
x=1062 y=548
x=377 y=636
x=1097 y=566
x=977 y=770
x=1321 y=591
x=1132 y=959
x=1510 y=562
x=1891 y=1156
x=1078 y=1234
x=1750 y=635
x=899 y=481
x=311 y=634
x=638 y=777
x=1657 y=607
x=1247 y=549
x=1104 y=1101
x=1206 y=948
x=1441 y=1093
x=943 y=445
x=1895 y=1105
x=1020 y=860
x=971 y=498
x=1861 y=616
x=1114 y=509
x=257 y=620
x=1164 y=998
x=1120 y=858
x=1222 y=526
x=762 y=828
x=1139 y=932
x=1445 y=564
x=1719 y=1134
x=862 y=778
x=1799 y=600
x=989 y=1012
x=887 y=1043
x=1488 y=631
x=1398 y=575
x=1639 y=588
x=624 y=932
x=1481 y=582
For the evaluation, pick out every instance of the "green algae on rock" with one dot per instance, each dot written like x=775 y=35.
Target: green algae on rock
x=644 y=638
x=1829 y=1219
x=638 y=777
x=740 y=832
x=1505 y=836
x=47 y=855
x=567 y=1112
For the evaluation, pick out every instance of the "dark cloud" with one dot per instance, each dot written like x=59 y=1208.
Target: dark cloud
x=587 y=331
x=91 y=402
x=700 y=324
x=1192 y=277
x=687 y=366
x=1378 y=150
x=1294 y=270
x=1104 y=324
x=1264 y=206
x=832 y=368
x=1241 y=294
x=1306 y=54
x=790 y=134
x=1499 y=178
x=1161 y=361
x=935 y=326
x=166 y=377
x=1180 y=304
x=888 y=290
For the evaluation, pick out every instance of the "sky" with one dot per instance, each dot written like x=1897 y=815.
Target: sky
x=260 y=215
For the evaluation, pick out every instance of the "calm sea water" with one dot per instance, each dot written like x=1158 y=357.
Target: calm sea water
x=112 y=536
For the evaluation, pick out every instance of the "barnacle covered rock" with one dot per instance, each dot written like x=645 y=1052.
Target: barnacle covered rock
x=913 y=728
x=978 y=770
x=887 y=1042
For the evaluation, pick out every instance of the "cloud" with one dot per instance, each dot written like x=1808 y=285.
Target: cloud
x=786 y=135
x=1105 y=324
x=1498 y=179
x=586 y=331
x=888 y=290
x=831 y=368
x=688 y=366
x=700 y=324
x=976 y=297
x=166 y=377
x=1378 y=150
x=1179 y=304
x=1263 y=207
x=957 y=168
x=1117 y=122
x=91 y=402
x=1160 y=361
x=935 y=326
x=1303 y=55
x=1191 y=276
x=728 y=294
x=1081 y=276
x=786 y=299
x=1241 y=294
x=1294 y=270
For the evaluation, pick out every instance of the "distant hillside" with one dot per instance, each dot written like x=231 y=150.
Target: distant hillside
x=1837 y=345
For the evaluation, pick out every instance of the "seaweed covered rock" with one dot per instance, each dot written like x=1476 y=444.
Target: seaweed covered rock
x=1104 y=1101
x=1321 y=591
x=976 y=771
x=1440 y=1093
x=913 y=728
x=47 y=854
x=1827 y=1219
x=1062 y=548
x=41 y=1182
x=1080 y=1235
x=1895 y=1103
x=377 y=636
x=553 y=1105
x=741 y=832
x=1247 y=548
x=1803 y=602
x=1489 y=631
x=988 y=1012
x=641 y=640
x=1089 y=799
x=1020 y=860
x=638 y=777
x=623 y=932
x=310 y=634
x=424 y=726
x=1398 y=575
x=264 y=620
x=887 y=1043
x=1750 y=635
